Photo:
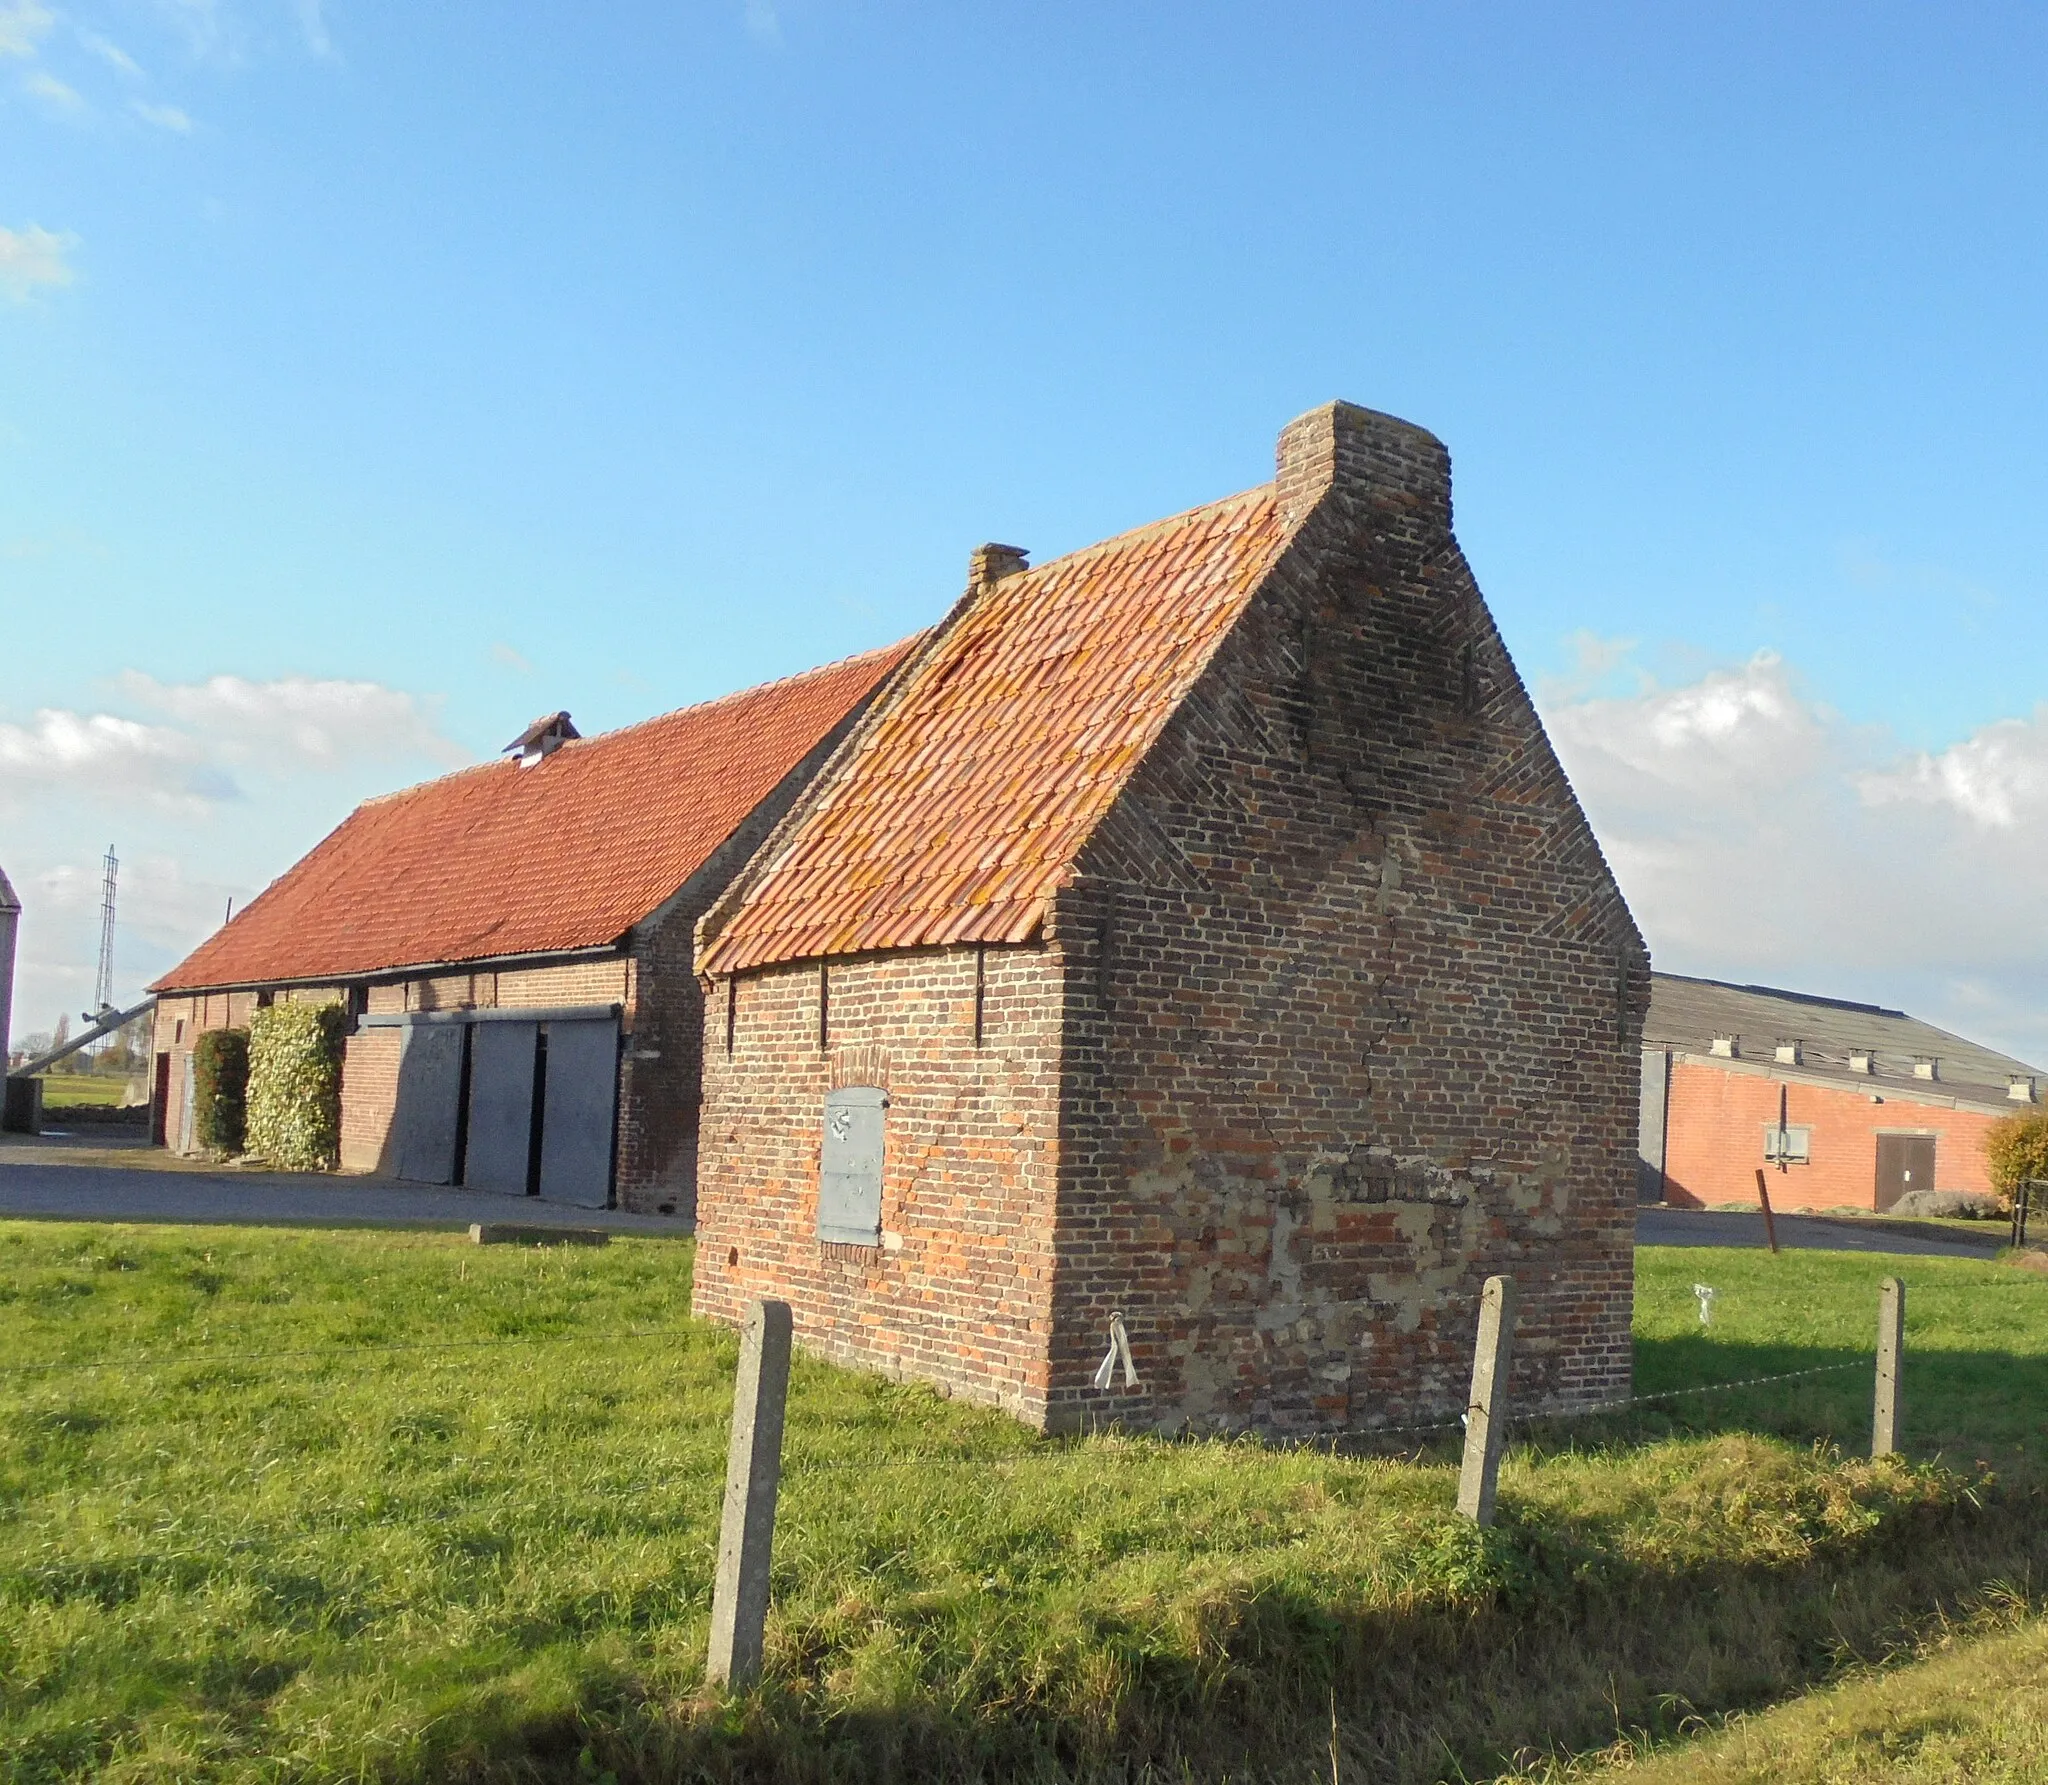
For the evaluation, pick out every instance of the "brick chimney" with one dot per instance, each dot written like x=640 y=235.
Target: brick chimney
x=991 y=563
x=1392 y=475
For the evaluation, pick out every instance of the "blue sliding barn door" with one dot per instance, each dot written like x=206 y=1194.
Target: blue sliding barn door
x=501 y=1061
x=579 y=1105
x=429 y=1113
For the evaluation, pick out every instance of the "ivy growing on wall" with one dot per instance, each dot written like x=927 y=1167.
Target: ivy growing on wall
x=295 y=1085
x=220 y=1083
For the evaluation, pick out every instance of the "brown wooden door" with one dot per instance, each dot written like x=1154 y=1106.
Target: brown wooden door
x=159 y=1100
x=1904 y=1162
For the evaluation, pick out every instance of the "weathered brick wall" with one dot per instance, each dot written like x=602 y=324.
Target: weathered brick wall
x=958 y=1293
x=369 y=1096
x=1715 y=1139
x=659 y=1074
x=1354 y=1011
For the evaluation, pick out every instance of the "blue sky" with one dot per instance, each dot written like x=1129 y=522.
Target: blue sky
x=373 y=377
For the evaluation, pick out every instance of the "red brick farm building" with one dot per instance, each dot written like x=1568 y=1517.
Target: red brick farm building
x=513 y=943
x=1199 y=930
x=1874 y=1104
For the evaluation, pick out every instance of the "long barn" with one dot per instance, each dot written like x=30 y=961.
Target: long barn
x=512 y=945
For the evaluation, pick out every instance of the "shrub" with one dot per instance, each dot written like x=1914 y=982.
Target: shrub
x=220 y=1086
x=295 y=1085
x=2017 y=1149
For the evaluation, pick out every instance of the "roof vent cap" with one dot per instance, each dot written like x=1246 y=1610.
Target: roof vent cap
x=1862 y=1060
x=991 y=563
x=1789 y=1054
x=2020 y=1088
x=1726 y=1047
x=541 y=739
x=1927 y=1066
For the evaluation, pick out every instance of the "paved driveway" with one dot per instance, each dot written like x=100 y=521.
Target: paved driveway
x=78 y=1184
x=1713 y=1227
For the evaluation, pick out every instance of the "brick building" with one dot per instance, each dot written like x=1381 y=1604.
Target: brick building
x=1200 y=930
x=513 y=943
x=1858 y=1104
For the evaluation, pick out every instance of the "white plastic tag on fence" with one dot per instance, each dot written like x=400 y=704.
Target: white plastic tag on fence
x=1706 y=1292
x=1119 y=1352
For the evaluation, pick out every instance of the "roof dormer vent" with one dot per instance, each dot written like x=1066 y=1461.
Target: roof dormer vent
x=1726 y=1047
x=541 y=739
x=1927 y=1066
x=1862 y=1060
x=2019 y=1088
x=1789 y=1054
x=991 y=563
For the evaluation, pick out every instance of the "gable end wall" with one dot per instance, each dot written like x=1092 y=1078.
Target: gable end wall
x=1353 y=1025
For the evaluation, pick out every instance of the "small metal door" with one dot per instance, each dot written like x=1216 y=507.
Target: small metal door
x=500 y=1141
x=850 y=1167
x=1904 y=1162
x=578 y=1105
x=425 y=1124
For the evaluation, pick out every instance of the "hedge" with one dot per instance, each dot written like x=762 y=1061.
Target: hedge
x=220 y=1086
x=2016 y=1149
x=295 y=1085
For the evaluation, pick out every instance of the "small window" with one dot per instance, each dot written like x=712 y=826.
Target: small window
x=850 y=1167
x=1798 y=1145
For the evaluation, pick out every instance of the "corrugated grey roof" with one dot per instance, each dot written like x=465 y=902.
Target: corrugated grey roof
x=1689 y=1013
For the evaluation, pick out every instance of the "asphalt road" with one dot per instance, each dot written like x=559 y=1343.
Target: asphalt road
x=42 y=1183
x=1713 y=1227
x=89 y=1176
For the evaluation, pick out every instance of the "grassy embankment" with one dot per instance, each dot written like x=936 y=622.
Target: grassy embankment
x=1973 y=1712
x=218 y=1562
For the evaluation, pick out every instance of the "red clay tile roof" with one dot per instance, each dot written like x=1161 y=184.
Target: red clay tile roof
x=502 y=860
x=966 y=799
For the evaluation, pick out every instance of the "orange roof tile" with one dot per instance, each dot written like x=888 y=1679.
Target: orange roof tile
x=965 y=799
x=501 y=860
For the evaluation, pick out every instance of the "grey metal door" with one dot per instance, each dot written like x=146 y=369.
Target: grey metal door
x=850 y=1166
x=1904 y=1162
x=423 y=1127
x=187 y=1092
x=500 y=1106
x=582 y=1091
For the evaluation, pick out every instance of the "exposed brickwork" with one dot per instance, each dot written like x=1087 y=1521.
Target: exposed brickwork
x=959 y=1292
x=1338 y=1011
x=1715 y=1139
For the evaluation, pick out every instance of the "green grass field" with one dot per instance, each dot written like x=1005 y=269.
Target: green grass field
x=73 y=1090
x=284 y=1505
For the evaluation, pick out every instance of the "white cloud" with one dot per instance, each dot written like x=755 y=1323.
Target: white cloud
x=1997 y=779
x=100 y=757
x=507 y=657
x=23 y=25
x=164 y=117
x=1759 y=836
x=313 y=26
x=112 y=54
x=30 y=257
x=62 y=99
x=296 y=721
x=220 y=733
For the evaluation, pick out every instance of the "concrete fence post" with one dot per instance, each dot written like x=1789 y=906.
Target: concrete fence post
x=1486 y=1419
x=753 y=1475
x=1891 y=1356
